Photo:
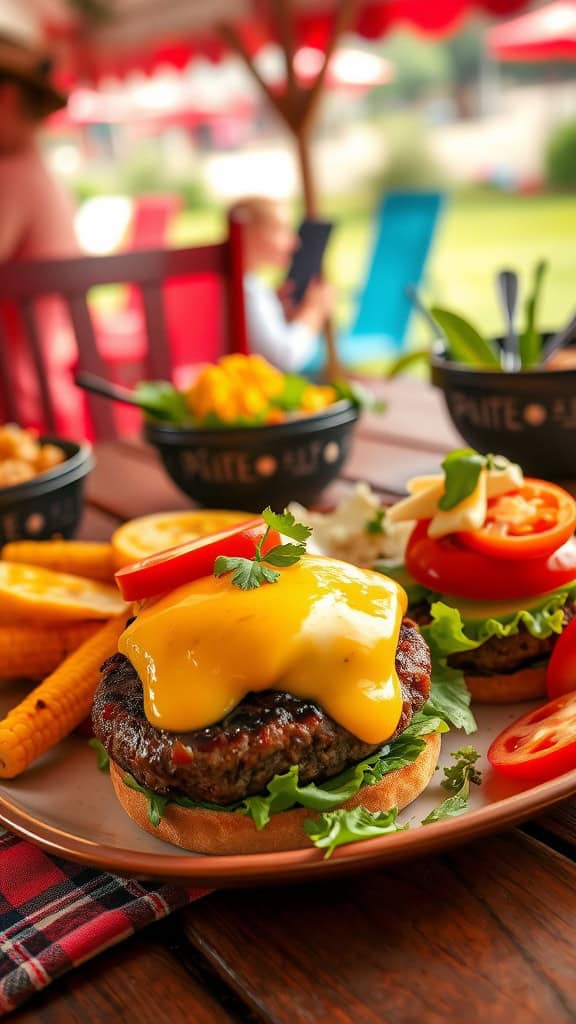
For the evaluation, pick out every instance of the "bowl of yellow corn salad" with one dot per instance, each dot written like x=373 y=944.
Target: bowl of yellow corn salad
x=47 y=500
x=244 y=435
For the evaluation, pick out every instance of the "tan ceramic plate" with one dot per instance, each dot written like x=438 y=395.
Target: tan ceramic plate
x=67 y=806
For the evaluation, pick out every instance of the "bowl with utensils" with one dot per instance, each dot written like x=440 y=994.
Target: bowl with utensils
x=514 y=394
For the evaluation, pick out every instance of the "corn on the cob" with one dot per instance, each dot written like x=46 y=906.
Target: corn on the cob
x=78 y=557
x=35 y=651
x=57 y=705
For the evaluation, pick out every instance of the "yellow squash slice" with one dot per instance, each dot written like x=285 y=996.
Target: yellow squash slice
x=29 y=594
x=147 y=535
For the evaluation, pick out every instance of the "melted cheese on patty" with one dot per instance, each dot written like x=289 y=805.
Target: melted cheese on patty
x=326 y=631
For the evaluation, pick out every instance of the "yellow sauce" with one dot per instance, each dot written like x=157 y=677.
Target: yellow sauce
x=326 y=631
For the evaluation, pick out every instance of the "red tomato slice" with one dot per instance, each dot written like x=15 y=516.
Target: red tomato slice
x=540 y=745
x=561 y=671
x=447 y=566
x=531 y=522
x=187 y=562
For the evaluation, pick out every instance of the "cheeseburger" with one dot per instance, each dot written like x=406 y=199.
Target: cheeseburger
x=258 y=688
x=490 y=570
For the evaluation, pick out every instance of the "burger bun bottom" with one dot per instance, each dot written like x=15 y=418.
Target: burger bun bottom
x=527 y=684
x=223 y=832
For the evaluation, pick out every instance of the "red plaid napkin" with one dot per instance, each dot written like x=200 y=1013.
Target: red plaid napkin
x=55 y=915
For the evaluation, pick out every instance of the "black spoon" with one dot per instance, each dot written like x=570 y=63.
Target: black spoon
x=560 y=340
x=411 y=293
x=508 y=292
x=99 y=386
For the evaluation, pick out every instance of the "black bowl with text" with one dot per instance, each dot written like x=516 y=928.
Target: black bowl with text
x=529 y=415
x=250 y=467
x=51 y=504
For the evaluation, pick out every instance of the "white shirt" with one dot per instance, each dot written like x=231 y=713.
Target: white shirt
x=289 y=346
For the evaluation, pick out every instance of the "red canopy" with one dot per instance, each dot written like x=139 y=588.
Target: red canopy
x=142 y=36
x=546 y=34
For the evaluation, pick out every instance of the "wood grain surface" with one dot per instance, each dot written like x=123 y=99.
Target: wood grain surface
x=485 y=934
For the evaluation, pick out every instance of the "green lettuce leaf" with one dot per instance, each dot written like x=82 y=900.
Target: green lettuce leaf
x=159 y=398
x=449 y=633
x=336 y=828
x=284 y=791
x=102 y=758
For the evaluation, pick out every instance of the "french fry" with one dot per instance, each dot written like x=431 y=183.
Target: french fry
x=78 y=557
x=36 y=651
x=57 y=705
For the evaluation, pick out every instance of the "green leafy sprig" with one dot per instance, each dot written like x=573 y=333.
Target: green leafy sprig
x=378 y=522
x=350 y=826
x=457 y=780
x=462 y=469
x=251 y=573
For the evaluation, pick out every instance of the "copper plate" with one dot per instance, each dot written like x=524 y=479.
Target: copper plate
x=66 y=806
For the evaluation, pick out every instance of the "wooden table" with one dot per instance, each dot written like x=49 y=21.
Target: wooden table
x=486 y=933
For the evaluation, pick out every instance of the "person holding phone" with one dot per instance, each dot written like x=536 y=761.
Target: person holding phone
x=285 y=332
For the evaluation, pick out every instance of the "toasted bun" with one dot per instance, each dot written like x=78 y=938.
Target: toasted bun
x=222 y=832
x=527 y=684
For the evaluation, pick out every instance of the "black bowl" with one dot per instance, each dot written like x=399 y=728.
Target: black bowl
x=250 y=467
x=50 y=504
x=529 y=416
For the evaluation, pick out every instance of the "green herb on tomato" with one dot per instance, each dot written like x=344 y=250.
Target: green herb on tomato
x=251 y=573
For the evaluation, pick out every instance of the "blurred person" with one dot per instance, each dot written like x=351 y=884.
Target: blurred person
x=36 y=216
x=284 y=333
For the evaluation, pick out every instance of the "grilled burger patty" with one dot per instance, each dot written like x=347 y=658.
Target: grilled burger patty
x=263 y=736
x=501 y=655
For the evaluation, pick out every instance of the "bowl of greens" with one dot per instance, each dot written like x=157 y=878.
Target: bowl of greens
x=244 y=435
x=505 y=394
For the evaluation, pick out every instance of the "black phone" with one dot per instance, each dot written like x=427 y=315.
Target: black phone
x=308 y=257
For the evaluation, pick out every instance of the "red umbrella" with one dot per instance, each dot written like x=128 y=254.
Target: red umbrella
x=548 y=33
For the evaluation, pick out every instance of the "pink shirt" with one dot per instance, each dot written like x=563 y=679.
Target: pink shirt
x=36 y=216
x=36 y=222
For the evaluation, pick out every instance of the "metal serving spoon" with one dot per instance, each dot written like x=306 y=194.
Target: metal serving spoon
x=508 y=293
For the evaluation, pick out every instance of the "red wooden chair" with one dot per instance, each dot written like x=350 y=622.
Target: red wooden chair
x=193 y=302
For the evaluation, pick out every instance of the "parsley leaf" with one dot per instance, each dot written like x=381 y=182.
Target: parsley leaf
x=246 y=574
x=462 y=470
x=285 y=524
x=377 y=523
x=456 y=775
x=335 y=828
x=457 y=779
x=102 y=758
x=285 y=554
x=250 y=573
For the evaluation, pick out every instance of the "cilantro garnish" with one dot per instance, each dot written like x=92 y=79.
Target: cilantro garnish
x=457 y=779
x=250 y=573
x=377 y=523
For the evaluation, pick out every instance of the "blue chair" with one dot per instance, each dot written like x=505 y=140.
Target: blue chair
x=404 y=230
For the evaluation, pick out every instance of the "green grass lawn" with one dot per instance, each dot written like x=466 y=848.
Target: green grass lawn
x=480 y=233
